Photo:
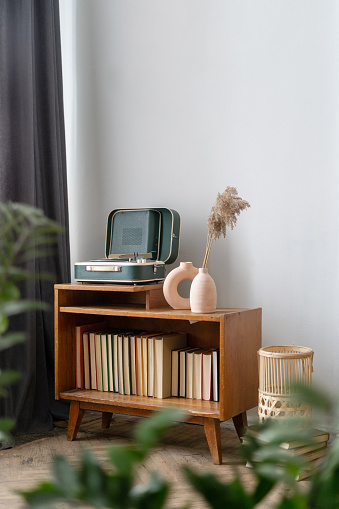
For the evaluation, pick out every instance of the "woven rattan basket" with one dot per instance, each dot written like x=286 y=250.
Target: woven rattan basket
x=279 y=367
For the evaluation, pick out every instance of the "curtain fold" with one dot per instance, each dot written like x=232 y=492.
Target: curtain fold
x=33 y=171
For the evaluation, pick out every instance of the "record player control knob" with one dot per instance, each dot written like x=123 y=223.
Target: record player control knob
x=141 y=260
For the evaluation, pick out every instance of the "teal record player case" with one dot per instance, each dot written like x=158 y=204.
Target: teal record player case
x=139 y=244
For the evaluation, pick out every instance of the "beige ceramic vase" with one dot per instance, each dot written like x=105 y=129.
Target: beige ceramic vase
x=186 y=270
x=203 y=294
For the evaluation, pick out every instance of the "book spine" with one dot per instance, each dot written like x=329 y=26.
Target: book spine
x=104 y=358
x=133 y=365
x=127 y=364
x=78 y=357
x=139 y=365
x=207 y=376
x=158 y=369
x=197 y=375
x=182 y=374
x=175 y=373
x=110 y=362
x=115 y=363
x=87 y=370
x=93 y=361
x=150 y=367
x=121 y=364
x=144 y=366
x=189 y=375
x=215 y=374
x=98 y=361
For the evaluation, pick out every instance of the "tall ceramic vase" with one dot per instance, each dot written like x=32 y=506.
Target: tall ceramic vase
x=203 y=294
x=186 y=270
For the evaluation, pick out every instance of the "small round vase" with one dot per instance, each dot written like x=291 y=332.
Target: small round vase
x=203 y=294
x=186 y=270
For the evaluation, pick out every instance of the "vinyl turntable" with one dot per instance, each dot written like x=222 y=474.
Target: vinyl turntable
x=139 y=245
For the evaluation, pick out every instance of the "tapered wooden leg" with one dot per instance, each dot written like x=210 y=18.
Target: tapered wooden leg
x=75 y=415
x=240 y=424
x=212 y=431
x=106 y=419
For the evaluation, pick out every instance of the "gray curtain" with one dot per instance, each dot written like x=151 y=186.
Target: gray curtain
x=33 y=171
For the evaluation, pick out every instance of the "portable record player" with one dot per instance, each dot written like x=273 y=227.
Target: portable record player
x=139 y=243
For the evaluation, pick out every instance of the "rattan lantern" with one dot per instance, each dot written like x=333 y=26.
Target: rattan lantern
x=279 y=367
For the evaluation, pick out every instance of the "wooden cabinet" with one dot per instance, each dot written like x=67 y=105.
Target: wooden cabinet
x=236 y=332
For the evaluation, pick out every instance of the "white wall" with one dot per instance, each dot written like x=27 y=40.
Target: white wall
x=167 y=103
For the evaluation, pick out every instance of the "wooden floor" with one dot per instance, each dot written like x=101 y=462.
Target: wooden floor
x=29 y=461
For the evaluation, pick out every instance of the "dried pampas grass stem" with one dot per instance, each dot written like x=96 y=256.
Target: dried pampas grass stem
x=224 y=213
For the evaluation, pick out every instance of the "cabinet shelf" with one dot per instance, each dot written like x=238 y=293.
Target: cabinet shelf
x=235 y=332
x=110 y=399
x=138 y=311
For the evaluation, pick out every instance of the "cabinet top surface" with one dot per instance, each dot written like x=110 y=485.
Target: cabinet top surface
x=109 y=287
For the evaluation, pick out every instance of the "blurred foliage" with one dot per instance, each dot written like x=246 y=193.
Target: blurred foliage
x=25 y=235
x=93 y=485
x=272 y=467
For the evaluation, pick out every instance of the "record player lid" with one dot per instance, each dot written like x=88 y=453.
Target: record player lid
x=152 y=233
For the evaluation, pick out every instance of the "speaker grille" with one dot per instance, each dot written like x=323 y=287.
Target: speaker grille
x=132 y=237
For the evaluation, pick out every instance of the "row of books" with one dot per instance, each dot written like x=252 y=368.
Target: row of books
x=195 y=373
x=312 y=453
x=133 y=362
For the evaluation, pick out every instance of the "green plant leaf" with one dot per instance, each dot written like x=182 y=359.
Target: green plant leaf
x=22 y=306
x=311 y=396
x=21 y=274
x=93 y=480
x=297 y=501
x=124 y=458
x=217 y=494
x=262 y=489
x=6 y=424
x=6 y=438
x=4 y=322
x=331 y=462
x=286 y=473
x=9 y=292
x=66 y=478
x=151 y=496
x=117 y=491
x=149 y=431
x=324 y=491
x=278 y=431
x=275 y=454
x=8 y=377
x=45 y=496
x=11 y=339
